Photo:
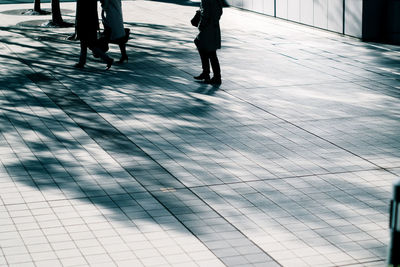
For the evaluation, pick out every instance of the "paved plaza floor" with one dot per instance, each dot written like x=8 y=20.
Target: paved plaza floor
x=289 y=162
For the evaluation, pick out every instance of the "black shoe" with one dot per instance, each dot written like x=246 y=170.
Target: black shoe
x=215 y=80
x=110 y=61
x=79 y=65
x=203 y=76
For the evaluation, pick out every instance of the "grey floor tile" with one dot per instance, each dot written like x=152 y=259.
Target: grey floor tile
x=289 y=162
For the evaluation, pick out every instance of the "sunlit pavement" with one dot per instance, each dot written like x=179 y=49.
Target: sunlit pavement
x=288 y=163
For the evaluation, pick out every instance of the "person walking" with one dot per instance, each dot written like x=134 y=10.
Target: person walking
x=209 y=40
x=87 y=25
x=113 y=23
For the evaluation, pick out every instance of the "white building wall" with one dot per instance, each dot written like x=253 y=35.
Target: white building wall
x=269 y=7
x=294 y=10
x=307 y=12
x=324 y=14
x=353 y=17
x=321 y=14
x=281 y=9
x=335 y=15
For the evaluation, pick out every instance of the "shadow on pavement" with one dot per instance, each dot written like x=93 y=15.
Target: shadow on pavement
x=73 y=113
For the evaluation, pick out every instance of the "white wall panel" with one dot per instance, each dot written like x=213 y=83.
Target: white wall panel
x=353 y=18
x=247 y=4
x=269 y=7
x=281 y=9
x=258 y=6
x=238 y=3
x=306 y=12
x=325 y=14
x=335 y=15
x=294 y=10
x=321 y=13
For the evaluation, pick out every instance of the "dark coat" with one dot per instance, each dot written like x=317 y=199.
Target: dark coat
x=87 y=20
x=112 y=18
x=209 y=37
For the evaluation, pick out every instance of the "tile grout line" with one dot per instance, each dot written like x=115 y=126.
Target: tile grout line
x=309 y=132
x=149 y=156
x=132 y=175
x=362 y=262
x=216 y=184
x=154 y=182
x=36 y=221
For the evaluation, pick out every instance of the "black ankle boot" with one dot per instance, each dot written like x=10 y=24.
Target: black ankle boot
x=79 y=65
x=203 y=76
x=110 y=61
x=216 y=80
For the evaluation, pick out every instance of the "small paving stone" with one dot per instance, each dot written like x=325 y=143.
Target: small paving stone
x=289 y=162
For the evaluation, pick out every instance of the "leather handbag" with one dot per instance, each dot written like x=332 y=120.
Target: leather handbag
x=196 y=19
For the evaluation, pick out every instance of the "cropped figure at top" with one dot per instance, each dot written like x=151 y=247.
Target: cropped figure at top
x=209 y=40
x=113 y=23
x=87 y=25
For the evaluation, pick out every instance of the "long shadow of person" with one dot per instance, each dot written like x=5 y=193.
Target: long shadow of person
x=207 y=89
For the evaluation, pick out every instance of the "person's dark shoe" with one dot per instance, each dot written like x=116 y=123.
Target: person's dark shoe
x=215 y=81
x=110 y=61
x=203 y=76
x=79 y=65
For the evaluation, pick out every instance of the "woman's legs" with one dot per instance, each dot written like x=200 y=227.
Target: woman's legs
x=124 y=56
x=102 y=55
x=205 y=64
x=207 y=58
x=122 y=46
x=82 y=56
x=215 y=64
x=96 y=50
